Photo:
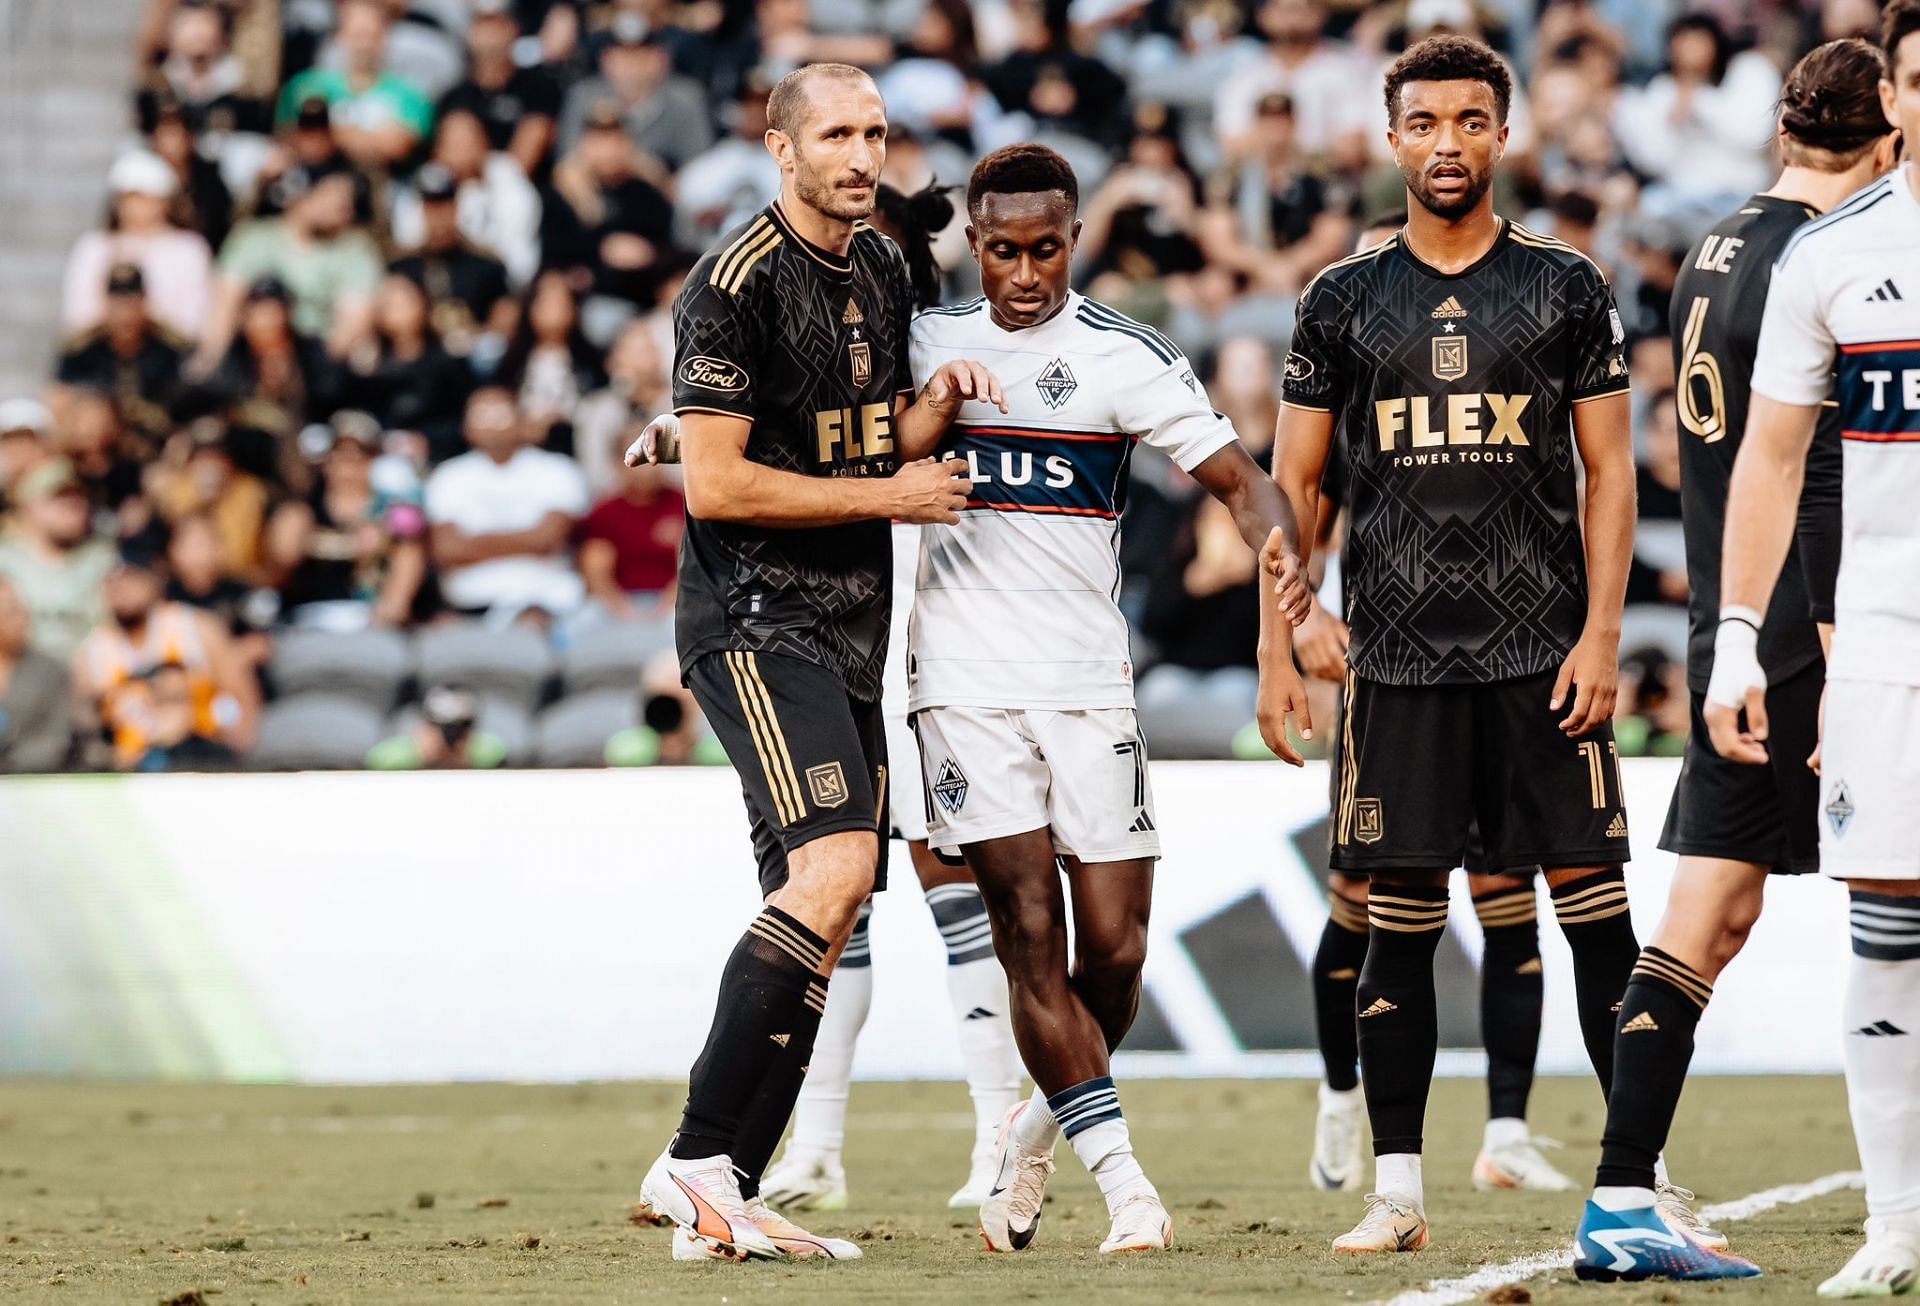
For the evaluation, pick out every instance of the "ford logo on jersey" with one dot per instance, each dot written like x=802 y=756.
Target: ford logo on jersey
x=713 y=374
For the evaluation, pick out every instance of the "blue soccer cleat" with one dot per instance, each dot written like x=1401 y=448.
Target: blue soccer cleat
x=1633 y=1245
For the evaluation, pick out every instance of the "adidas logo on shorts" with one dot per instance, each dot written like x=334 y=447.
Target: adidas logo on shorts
x=781 y=1039
x=1641 y=1024
x=1618 y=828
x=1380 y=1007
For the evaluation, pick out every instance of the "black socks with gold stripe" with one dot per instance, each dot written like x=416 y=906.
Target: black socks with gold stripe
x=1399 y=1030
x=1658 y=1015
x=772 y=994
x=1592 y=912
x=1336 y=976
x=1512 y=987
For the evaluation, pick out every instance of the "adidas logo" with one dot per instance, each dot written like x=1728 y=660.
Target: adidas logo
x=978 y=1013
x=1450 y=308
x=1345 y=973
x=1528 y=967
x=1641 y=1024
x=1142 y=824
x=781 y=1039
x=1885 y=292
x=1380 y=1007
x=1617 y=828
x=853 y=316
x=1880 y=1029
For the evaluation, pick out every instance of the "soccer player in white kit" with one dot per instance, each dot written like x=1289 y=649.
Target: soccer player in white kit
x=1020 y=673
x=1843 y=316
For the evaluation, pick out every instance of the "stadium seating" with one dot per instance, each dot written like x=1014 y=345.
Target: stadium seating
x=315 y=732
x=503 y=718
x=574 y=732
x=611 y=656
x=368 y=665
x=1187 y=713
x=513 y=663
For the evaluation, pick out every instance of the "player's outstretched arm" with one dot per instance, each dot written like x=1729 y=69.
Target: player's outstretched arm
x=1603 y=430
x=1761 y=510
x=1266 y=523
x=919 y=427
x=1302 y=438
x=723 y=484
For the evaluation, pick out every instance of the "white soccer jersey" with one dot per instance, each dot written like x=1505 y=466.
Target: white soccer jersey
x=1843 y=314
x=1015 y=605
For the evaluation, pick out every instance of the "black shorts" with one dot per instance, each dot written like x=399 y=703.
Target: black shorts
x=1420 y=764
x=1473 y=861
x=1767 y=815
x=812 y=759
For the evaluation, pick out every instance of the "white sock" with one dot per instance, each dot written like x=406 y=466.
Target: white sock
x=978 y=989
x=1623 y=1199
x=1397 y=1174
x=1334 y=1099
x=820 y=1114
x=1036 y=1130
x=1503 y=1131
x=1882 y=1049
x=1660 y=1176
x=1106 y=1149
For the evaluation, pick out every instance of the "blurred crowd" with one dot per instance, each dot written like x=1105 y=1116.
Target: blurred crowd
x=381 y=293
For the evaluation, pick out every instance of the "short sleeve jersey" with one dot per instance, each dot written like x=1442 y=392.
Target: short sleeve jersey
x=1843 y=317
x=1453 y=398
x=1015 y=605
x=1718 y=303
x=811 y=347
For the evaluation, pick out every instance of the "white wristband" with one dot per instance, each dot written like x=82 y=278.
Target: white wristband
x=1736 y=662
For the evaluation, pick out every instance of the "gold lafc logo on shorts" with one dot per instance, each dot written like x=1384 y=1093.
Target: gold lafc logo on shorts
x=1449 y=357
x=1369 y=822
x=828 y=784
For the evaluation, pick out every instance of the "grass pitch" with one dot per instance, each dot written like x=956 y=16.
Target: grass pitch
x=113 y=1193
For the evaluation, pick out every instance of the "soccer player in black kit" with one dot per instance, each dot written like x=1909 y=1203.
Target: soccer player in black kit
x=1453 y=361
x=1733 y=824
x=792 y=384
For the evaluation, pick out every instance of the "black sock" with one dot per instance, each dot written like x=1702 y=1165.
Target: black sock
x=1336 y=976
x=762 y=992
x=767 y=1116
x=1592 y=912
x=1399 y=1029
x=1512 y=988
x=1661 y=1009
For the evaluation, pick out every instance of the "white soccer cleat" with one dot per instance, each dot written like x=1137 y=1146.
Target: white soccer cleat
x=1140 y=1225
x=703 y=1199
x=1887 y=1266
x=794 y=1241
x=689 y=1246
x=980 y=1172
x=1391 y=1224
x=1675 y=1206
x=1338 y=1160
x=806 y=1182
x=1519 y=1165
x=1010 y=1215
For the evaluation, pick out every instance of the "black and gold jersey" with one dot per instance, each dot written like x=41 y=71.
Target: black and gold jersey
x=1718 y=302
x=811 y=347
x=1453 y=397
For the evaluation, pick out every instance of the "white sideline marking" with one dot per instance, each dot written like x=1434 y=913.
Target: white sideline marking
x=1448 y=1292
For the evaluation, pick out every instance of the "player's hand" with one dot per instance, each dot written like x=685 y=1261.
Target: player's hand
x=1289 y=577
x=932 y=491
x=659 y=443
x=1738 y=682
x=1282 y=695
x=1321 y=645
x=1592 y=674
x=955 y=383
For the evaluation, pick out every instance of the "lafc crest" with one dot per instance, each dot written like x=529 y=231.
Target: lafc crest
x=859 y=353
x=1449 y=357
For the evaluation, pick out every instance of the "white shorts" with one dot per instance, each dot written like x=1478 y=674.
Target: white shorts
x=993 y=772
x=1870 y=782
